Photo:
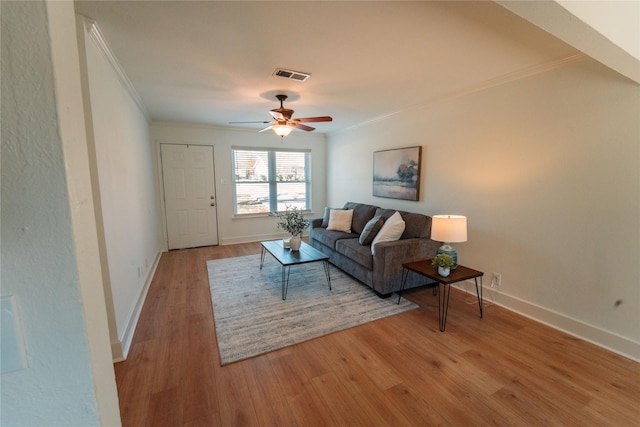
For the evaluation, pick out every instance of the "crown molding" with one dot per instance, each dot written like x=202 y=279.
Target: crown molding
x=487 y=84
x=101 y=43
x=520 y=74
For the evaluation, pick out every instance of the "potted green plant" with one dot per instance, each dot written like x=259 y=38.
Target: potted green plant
x=444 y=263
x=292 y=221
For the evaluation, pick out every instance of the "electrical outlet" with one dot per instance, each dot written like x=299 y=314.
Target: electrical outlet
x=496 y=280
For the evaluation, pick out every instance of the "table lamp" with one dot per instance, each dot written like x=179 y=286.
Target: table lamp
x=449 y=229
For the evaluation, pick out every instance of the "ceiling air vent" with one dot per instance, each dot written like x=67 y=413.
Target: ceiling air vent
x=291 y=75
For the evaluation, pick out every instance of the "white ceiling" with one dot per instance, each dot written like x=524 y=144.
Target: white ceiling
x=212 y=62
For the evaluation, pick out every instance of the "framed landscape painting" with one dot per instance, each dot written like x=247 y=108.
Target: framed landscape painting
x=396 y=173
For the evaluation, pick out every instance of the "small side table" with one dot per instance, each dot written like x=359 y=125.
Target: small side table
x=459 y=274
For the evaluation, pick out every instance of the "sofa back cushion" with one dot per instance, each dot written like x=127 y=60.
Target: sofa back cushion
x=385 y=213
x=416 y=225
x=362 y=214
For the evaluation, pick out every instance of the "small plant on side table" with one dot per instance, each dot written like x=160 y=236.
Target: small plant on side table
x=444 y=263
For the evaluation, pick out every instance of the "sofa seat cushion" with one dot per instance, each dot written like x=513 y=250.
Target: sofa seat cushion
x=329 y=237
x=352 y=249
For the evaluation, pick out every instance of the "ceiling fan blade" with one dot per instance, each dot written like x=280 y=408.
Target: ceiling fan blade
x=277 y=115
x=314 y=119
x=281 y=113
x=265 y=129
x=304 y=127
x=264 y=121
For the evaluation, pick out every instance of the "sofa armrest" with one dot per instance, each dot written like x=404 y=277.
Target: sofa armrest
x=315 y=222
x=388 y=260
x=315 y=227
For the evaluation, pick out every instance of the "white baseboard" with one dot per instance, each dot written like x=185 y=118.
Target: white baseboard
x=605 y=339
x=127 y=336
x=116 y=351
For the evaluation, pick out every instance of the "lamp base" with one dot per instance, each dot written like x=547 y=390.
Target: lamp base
x=449 y=250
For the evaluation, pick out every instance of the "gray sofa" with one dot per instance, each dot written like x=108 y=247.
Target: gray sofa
x=382 y=271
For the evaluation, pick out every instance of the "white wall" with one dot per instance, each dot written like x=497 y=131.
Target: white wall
x=127 y=194
x=618 y=21
x=547 y=169
x=236 y=230
x=49 y=245
x=608 y=31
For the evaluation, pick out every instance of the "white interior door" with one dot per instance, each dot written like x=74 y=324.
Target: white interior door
x=189 y=195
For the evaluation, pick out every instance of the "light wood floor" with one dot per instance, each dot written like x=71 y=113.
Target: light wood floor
x=399 y=371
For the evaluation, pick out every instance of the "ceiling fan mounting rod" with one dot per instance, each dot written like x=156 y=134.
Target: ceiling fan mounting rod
x=281 y=98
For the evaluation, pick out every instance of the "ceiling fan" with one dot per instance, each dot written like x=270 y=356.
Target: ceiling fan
x=283 y=123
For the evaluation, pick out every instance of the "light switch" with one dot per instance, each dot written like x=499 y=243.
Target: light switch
x=13 y=356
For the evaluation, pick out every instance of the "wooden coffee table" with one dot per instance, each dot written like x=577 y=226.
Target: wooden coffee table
x=286 y=257
x=459 y=274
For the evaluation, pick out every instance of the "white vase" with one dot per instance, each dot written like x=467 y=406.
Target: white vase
x=295 y=243
x=444 y=271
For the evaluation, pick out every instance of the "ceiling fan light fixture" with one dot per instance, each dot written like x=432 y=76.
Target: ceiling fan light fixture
x=282 y=130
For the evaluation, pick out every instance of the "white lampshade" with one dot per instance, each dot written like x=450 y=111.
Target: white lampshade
x=449 y=228
x=282 y=130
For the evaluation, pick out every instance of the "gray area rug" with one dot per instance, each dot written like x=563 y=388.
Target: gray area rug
x=251 y=318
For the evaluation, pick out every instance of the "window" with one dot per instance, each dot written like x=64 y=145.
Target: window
x=269 y=180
